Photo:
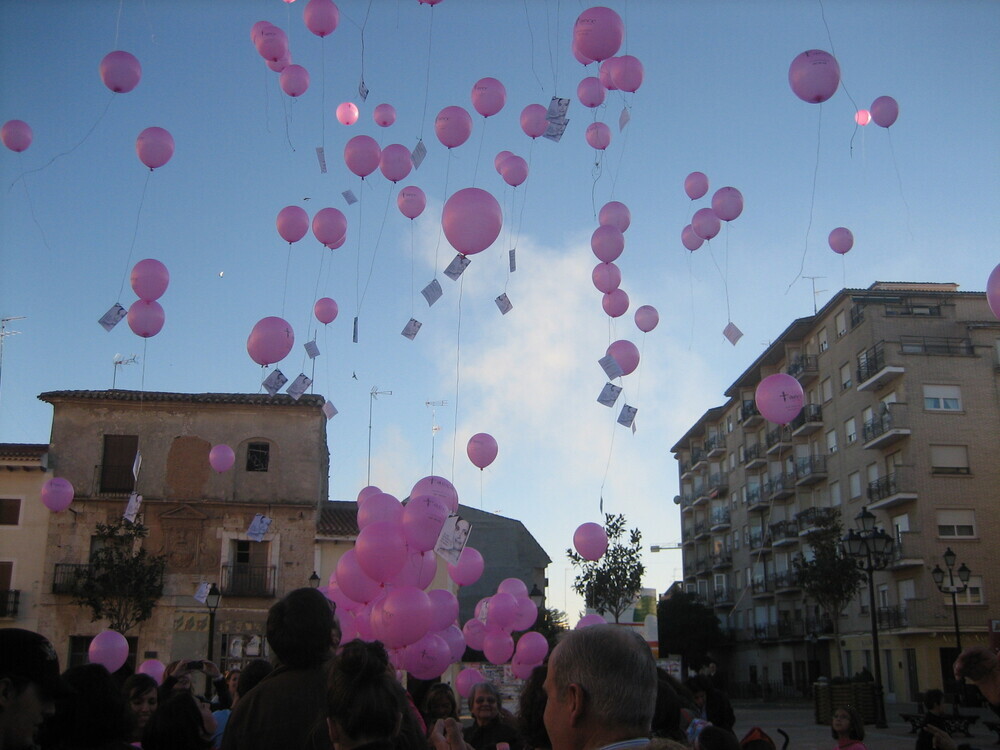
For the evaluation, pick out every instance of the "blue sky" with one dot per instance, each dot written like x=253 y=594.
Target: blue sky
x=920 y=198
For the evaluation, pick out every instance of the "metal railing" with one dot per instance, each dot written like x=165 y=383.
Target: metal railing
x=812 y=517
x=871 y=361
x=791 y=628
x=748 y=410
x=722 y=559
x=893 y=417
x=9 y=602
x=786 y=579
x=892 y=617
x=808 y=466
x=67 y=577
x=803 y=365
x=784 y=530
x=778 y=435
x=248 y=580
x=781 y=483
x=718 y=482
x=715 y=442
x=752 y=453
x=810 y=414
x=720 y=517
x=889 y=485
x=759 y=540
x=952 y=347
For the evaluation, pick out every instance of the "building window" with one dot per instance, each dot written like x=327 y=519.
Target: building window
x=116 y=466
x=854 y=481
x=10 y=511
x=942 y=398
x=258 y=456
x=827 y=390
x=956 y=524
x=831 y=441
x=972 y=595
x=824 y=342
x=845 y=377
x=840 y=321
x=729 y=423
x=834 y=493
x=949 y=459
x=851 y=430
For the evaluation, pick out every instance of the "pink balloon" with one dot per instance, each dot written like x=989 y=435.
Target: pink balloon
x=57 y=494
x=380 y=506
x=532 y=648
x=428 y=2
x=993 y=291
x=367 y=492
x=513 y=586
x=456 y=641
x=467 y=678
x=514 y=170
x=279 y=65
x=646 y=318
x=321 y=17
x=145 y=318
x=598 y=33
x=384 y=115
x=533 y=120
x=381 y=549
x=598 y=135
x=362 y=155
x=472 y=220
x=153 y=668
x=482 y=450
x=727 y=203
x=691 y=240
x=411 y=201
x=427 y=658
x=109 y=649
x=606 y=277
x=526 y=615
x=329 y=225
x=591 y=541
x=348 y=626
x=325 y=310
x=292 y=223
x=589 y=620
x=16 y=135
x=444 y=609
x=294 y=80
x=615 y=303
x=149 y=279
x=488 y=96
x=469 y=569
x=627 y=73
x=155 y=147
x=453 y=126
x=500 y=158
x=418 y=570
x=439 y=487
x=270 y=340
x=615 y=214
x=473 y=632
x=841 y=240
x=626 y=354
x=520 y=670
x=884 y=111
x=347 y=113
x=221 y=457
x=335 y=594
x=272 y=43
x=814 y=76
x=779 y=398
x=604 y=74
x=338 y=244
x=580 y=57
x=591 y=92
x=696 y=185
x=705 y=223
x=257 y=29
x=395 y=162
x=498 y=646
x=423 y=519
x=406 y=616
x=862 y=117
x=120 y=71
x=607 y=242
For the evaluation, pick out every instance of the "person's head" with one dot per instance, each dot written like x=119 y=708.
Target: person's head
x=980 y=666
x=531 y=709
x=140 y=692
x=716 y=738
x=699 y=688
x=232 y=679
x=601 y=684
x=96 y=714
x=181 y=722
x=29 y=685
x=301 y=628
x=933 y=700
x=484 y=703
x=177 y=676
x=252 y=673
x=440 y=703
x=667 y=714
x=364 y=702
x=847 y=723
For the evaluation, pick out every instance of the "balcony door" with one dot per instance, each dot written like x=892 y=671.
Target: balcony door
x=116 y=464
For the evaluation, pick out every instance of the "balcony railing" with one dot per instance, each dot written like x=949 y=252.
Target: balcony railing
x=718 y=483
x=697 y=456
x=9 y=602
x=759 y=540
x=765 y=632
x=873 y=370
x=810 y=469
x=951 y=347
x=720 y=517
x=786 y=579
x=67 y=577
x=749 y=414
x=778 y=439
x=700 y=529
x=808 y=420
x=754 y=456
x=819 y=625
x=892 y=489
x=812 y=518
x=248 y=580
x=791 y=628
x=888 y=427
x=723 y=595
x=715 y=445
x=723 y=559
x=892 y=617
x=803 y=367
x=703 y=564
x=906 y=550
x=756 y=498
x=784 y=532
x=781 y=485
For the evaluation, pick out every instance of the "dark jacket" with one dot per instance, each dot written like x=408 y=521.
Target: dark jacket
x=486 y=737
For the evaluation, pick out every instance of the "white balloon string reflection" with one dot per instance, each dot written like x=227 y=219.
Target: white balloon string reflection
x=135 y=233
x=378 y=241
x=812 y=199
x=899 y=180
x=31 y=210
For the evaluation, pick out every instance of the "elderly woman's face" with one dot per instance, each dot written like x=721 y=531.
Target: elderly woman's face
x=484 y=707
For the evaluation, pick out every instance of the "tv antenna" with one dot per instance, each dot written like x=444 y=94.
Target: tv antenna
x=375 y=393
x=4 y=333
x=120 y=361
x=435 y=428
x=815 y=291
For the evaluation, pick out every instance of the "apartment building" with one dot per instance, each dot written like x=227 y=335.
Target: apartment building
x=902 y=417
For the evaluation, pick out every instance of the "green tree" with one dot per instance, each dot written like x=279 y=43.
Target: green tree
x=551 y=623
x=612 y=583
x=828 y=576
x=123 y=581
x=687 y=626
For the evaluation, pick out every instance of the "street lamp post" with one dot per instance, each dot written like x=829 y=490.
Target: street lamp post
x=964 y=574
x=871 y=549
x=212 y=603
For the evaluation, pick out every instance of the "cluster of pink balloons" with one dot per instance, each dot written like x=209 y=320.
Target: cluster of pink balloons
x=727 y=205
x=495 y=620
x=16 y=135
x=57 y=494
x=607 y=243
x=779 y=398
x=270 y=340
x=482 y=450
x=883 y=111
x=321 y=18
x=149 y=281
x=511 y=167
x=329 y=225
x=221 y=457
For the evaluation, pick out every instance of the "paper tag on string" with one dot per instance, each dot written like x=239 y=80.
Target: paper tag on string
x=432 y=292
x=418 y=154
x=274 y=382
x=321 y=157
x=362 y=90
x=411 y=328
x=452 y=539
x=298 y=386
x=201 y=592
x=611 y=367
x=355 y=329
x=136 y=465
x=623 y=119
x=609 y=394
x=259 y=526
x=512 y=257
x=633 y=428
x=627 y=415
x=503 y=303
x=132 y=509
x=112 y=317
x=311 y=349
x=732 y=333
x=457 y=267
x=557 y=110
x=555 y=130
x=350 y=197
x=329 y=410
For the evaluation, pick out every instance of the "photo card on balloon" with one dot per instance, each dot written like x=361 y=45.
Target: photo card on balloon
x=626 y=417
x=432 y=292
x=732 y=333
x=258 y=527
x=298 y=386
x=503 y=304
x=452 y=539
x=115 y=314
x=609 y=394
x=411 y=329
x=457 y=267
x=274 y=382
x=611 y=367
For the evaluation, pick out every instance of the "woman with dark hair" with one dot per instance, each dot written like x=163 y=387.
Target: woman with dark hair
x=93 y=717
x=182 y=722
x=140 y=692
x=439 y=703
x=848 y=728
x=531 y=711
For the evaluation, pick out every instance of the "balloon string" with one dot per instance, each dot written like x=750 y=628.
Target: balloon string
x=843 y=85
x=288 y=121
x=812 y=199
x=135 y=233
x=284 y=290
x=118 y=22
x=510 y=234
x=413 y=253
x=378 y=241
x=642 y=354
x=107 y=106
x=899 y=181
x=458 y=359
x=357 y=256
x=322 y=93
x=607 y=466
x=480 y=489
x=31 y=209
x=531 y=35
x=427 y=77
x=447 y=176
x=524 y=198
x=368 y=11
x=691 y=290
x=319 y=274
x=725 y=282
x=479 y=154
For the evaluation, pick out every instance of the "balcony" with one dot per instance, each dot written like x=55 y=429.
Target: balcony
x=906 y=551
x=687 y=536
x=749 y=415
x=114 y=480
x=723 y=596
x=892 y=489
x=67 y=577
x=685 y=469
x=757 y=499
x=701 y=530
x=873 y=372
x=765 y=632
x=703 y=565
x=248 y=580
x=791 y=629
x=9 y=602
x=947 y=347
x=699 y=460
x=786 y=581
x=891 y=426
x=719 y=519
x=698 y=490
x=810 y=470
x=804 y=368
x=715 y=446
x=722 y=560
x=812 y=519
x=784 y=533
x=760 y=540
x=687 y=503
x=808 y=421
x=891 y=617
x=778 y=440
x=781 y=486
x=819 y=625
x=754 y=457
x=718 y=483
x=935 y=613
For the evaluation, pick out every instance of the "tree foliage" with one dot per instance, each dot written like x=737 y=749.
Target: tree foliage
x=687 y=626
x=123 y=581
x=612 y=583
x=551 y=623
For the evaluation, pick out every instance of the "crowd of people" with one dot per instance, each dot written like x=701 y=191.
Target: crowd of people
x=600 y=689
